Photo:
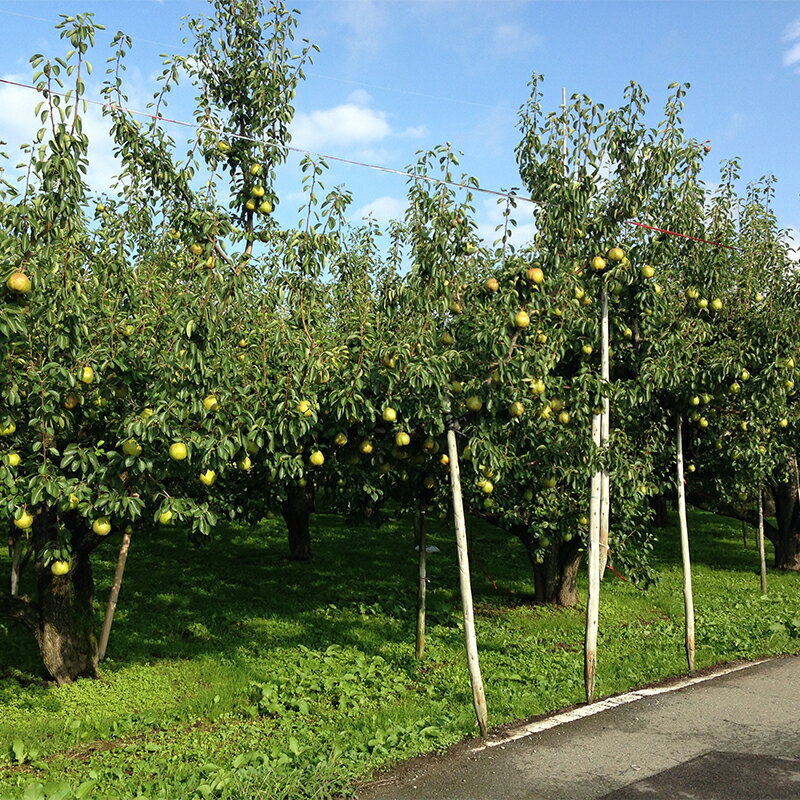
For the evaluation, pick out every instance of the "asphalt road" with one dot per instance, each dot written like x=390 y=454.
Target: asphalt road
x=735 y=736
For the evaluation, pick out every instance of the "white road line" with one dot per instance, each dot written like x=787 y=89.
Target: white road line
x=603 y=705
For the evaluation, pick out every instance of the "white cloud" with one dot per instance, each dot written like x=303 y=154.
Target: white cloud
x=359 y=97
x=382 y=209
x=415 y=132
x=19 y=126
x=509 y=38
x=344 y=125
x=792 y=33
x=102 y=164
x=792 y=56
x=374 y=155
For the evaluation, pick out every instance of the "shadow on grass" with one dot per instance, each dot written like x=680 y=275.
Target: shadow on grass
x=239 y=594
x=715 y=542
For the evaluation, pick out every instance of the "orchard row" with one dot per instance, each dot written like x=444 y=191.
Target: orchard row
x=178 y=356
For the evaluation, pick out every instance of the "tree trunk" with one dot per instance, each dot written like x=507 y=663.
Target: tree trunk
x=569 y=560
x=62 y=618
x=786 y=539
x=555 y=580
x=66 y=638
x=659 y=505
x=296 y=510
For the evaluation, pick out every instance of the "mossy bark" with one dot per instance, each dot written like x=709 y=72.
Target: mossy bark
x=66 y=636
x=555 y=578
x=61 y=618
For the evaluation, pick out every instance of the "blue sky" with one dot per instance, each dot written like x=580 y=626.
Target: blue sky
x=396 y=76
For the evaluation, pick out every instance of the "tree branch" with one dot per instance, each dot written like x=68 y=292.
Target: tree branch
x=20 y=609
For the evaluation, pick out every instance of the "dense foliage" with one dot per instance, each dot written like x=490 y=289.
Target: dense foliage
x=172 y=354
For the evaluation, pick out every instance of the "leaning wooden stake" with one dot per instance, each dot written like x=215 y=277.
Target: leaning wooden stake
x=478 y=695
x=16 y=557
x=688 y=600
x=422 y=586
x=112 y=599
x=605 y=419
x=797 y=476
x=593 y=566
x=761 y=554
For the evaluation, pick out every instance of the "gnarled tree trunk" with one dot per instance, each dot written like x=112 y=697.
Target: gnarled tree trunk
x=66 y=636
x=555 y=579
x=786 y=537
x=62 y=616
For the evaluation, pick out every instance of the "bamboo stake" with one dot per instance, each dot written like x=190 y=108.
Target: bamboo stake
x=688 y=600
x=761 y=554
x=593 y=597
x=605 y=420
x=16 y=557
x=422 y=586
x=478 y=695
x=112 y=599
x=797 y=478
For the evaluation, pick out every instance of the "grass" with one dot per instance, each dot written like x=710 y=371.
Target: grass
x=234 y=672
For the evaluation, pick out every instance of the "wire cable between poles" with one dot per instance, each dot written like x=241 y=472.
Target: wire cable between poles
x=340 y=159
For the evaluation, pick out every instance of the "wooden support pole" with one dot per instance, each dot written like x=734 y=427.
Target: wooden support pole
x=761 y=554
x=112 y=599
x=797 y=476
x=15 y=542
x=422 y=585
x=796 y=460
x=593 y=566
x=605 y=424
x=688 y=600
x=471 y=642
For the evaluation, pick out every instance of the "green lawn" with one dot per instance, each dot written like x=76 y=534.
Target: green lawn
x=233 y=672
